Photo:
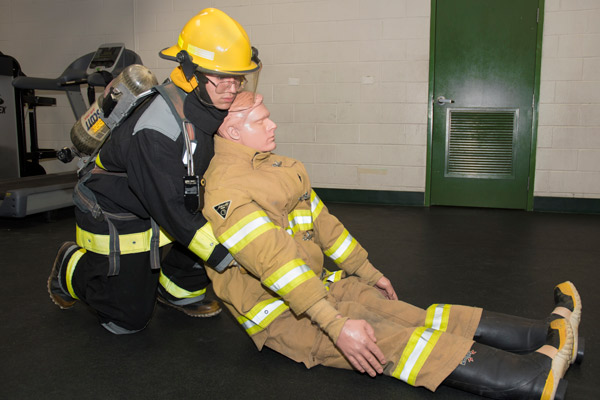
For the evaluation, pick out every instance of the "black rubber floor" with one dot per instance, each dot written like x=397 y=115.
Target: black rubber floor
x=507 y=261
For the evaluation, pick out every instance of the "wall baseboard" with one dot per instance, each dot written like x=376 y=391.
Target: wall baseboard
x=372 y=197
x=567 y=205
x=384 y=197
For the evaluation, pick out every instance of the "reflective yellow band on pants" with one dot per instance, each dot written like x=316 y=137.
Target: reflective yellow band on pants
x=261 y=315
x=438 y=316
x=129 y=243
x=419 y=347
x=71 y=270
x=177 y=291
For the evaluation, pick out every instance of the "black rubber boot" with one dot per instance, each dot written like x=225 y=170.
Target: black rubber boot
x=510 y=333
x=499 y=374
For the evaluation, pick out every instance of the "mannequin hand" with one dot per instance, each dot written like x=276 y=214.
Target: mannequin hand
x=385 y=287
x=357 y=344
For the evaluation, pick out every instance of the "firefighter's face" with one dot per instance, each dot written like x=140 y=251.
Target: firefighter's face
x=258 y=131
x=222 y=90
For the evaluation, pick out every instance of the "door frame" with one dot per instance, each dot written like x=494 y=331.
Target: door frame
x=536 y=98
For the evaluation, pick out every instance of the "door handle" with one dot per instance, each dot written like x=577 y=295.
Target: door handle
x=441 y=100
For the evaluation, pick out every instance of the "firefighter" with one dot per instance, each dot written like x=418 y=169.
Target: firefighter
x=283 y=297
x=141 y=196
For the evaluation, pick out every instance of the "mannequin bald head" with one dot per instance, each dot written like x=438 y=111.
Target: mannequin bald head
x=248 y=123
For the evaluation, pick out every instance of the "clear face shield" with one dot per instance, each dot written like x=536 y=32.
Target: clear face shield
x=226 y=85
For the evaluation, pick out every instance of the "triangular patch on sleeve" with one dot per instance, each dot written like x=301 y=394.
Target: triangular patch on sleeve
x=222 y=208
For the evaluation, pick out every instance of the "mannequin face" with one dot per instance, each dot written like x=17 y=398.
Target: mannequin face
x=226 y=96
x=258 y=131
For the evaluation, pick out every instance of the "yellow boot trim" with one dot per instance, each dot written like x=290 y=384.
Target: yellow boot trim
x=549 y=387
x=71 y=270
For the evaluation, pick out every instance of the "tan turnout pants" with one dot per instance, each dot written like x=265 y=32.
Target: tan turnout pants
x=394 y=323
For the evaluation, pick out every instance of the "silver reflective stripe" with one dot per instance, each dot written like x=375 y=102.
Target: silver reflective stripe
x=416 y=353
x=264 y=313
x=438 y=317
x=288 y=277
x=244 y=231
x=314 y=203
x=343 y=247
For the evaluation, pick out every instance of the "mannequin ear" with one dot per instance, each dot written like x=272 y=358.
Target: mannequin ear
x=233 y=133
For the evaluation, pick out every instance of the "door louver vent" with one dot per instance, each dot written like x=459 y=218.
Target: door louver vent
x=480 y=143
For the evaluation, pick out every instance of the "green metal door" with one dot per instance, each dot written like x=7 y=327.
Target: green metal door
x=484 y=71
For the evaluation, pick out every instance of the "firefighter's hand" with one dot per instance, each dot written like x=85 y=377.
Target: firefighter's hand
x=385 y=287
x=357 y=343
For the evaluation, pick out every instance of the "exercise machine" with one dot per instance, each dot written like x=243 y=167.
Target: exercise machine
x=25 y=188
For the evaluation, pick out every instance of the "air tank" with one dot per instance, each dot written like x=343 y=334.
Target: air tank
x=89 y=132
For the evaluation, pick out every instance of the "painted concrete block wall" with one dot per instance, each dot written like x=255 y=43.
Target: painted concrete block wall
x=346 y=80
x=568 y=154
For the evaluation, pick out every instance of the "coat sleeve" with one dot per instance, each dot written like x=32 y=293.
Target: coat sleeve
x=270 y=254
x=155 y=173
x=339 y=245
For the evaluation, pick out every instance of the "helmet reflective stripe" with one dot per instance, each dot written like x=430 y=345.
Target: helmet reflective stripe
x=299 y=220
x=316 y=205
x=261 y=315
x=438 y=316
x=245 y=231
x=342 y=247
x=416 y=352
x=289 y=277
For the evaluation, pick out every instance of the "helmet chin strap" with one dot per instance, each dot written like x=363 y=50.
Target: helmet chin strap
x=200 y=89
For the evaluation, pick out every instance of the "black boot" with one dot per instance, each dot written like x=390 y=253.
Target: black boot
x=498 y=374
x=510 y=333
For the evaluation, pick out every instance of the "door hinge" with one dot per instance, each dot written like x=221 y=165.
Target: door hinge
x=533 y=101
x=537 y=18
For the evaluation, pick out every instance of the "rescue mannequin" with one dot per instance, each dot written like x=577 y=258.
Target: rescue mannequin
x=264 y=211
x=142 y=191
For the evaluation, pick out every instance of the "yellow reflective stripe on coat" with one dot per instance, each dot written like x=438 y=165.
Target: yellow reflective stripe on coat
x=299 y=220
x=71 y=270
x=246 y=230
x=289 y=277
x=333 y=276
x=316 y=205
x=177 y=291
x=204 y=242
x=261 y=315
x=419 y=347
x=438 y=316
x=342 y=247
x=330 y=277
x=129 y=243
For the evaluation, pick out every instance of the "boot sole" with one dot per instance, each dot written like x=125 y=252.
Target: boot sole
x=56 y=299
x=186 y=312
x=570 y=289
